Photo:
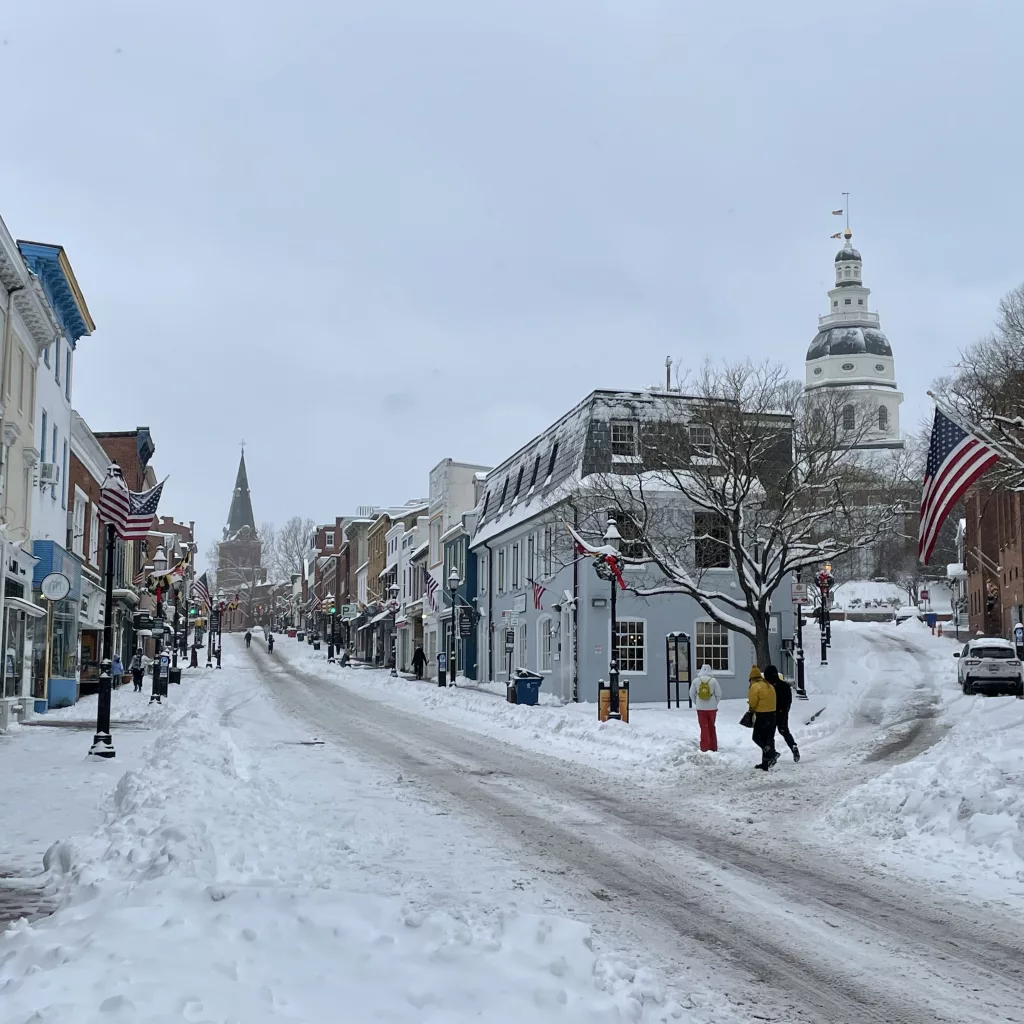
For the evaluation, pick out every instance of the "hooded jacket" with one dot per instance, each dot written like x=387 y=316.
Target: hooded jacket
x=783 y=691
x=711 y=703
x=761 y=696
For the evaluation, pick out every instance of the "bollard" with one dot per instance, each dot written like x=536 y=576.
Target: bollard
x=940 y=629
x=604 y=700
x=624 y=701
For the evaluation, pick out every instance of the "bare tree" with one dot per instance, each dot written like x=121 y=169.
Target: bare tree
x=292 y=543
x=269 y=540
x=986 y=384
x=762 y=480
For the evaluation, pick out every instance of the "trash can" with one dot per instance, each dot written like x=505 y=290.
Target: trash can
x=300 y=635
x=291 y=634
x=316 y=645
x=175 y=676
x=527 y=687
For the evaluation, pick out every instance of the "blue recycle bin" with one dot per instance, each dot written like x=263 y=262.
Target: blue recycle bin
x=930 y=619
x=527 y=687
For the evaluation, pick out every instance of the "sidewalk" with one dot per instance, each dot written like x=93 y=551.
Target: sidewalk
x=52 y=789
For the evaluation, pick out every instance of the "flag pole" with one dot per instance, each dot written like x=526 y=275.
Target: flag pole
x=971 y=428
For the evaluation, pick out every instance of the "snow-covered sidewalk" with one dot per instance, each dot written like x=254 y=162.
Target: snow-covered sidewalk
x=246 y=873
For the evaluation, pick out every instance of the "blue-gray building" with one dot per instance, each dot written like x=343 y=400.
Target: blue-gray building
x=538 y=597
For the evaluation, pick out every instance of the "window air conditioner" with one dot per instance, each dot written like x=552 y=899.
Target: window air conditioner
x=49 y=473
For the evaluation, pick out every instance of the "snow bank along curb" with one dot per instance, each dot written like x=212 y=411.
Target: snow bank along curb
x=961 y=804
x=210 y=895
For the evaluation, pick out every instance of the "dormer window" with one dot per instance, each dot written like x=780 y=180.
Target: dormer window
x=860 y=302
x=623 y=438
x=847 y=301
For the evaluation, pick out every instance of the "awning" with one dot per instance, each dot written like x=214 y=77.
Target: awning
x=377 y=618
x=25 y=606
x=365 y=625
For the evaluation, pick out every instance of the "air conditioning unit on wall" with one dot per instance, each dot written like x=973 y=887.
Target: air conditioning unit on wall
x=49 y=473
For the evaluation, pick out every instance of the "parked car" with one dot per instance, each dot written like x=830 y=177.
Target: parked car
x=989 y=665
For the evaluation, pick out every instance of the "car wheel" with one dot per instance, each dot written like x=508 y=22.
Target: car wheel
x=968 y=687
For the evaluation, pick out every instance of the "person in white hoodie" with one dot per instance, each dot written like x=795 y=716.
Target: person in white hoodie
x=705 y=694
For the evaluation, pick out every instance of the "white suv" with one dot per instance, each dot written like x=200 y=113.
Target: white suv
x=990 y=665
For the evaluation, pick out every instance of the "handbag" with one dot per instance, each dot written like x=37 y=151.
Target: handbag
x=747 y=721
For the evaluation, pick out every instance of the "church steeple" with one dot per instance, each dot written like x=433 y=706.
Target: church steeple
x=240 y=514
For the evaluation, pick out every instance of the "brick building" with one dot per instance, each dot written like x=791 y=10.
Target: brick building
x=994 y=560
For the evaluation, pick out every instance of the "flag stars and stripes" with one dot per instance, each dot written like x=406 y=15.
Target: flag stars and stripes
x=956 y=459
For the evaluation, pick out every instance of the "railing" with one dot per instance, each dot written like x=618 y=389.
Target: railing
x=844 y=318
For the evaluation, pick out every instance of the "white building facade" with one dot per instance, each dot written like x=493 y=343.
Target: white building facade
x=454 y=489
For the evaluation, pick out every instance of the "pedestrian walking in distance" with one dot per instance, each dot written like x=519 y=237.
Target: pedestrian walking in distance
x=270 y=643
x=783 y=702
x=248 y=637
x=117 y=670
x=138 y=672
x=761 y=699
x=705 y=694
x=419 y=660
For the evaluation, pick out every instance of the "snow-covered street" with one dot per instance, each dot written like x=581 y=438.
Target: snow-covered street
x=282 y=845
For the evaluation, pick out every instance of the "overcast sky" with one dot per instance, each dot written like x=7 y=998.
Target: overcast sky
x=367 y=236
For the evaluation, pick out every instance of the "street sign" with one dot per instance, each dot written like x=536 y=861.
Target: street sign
x=55 y=586
x=800 y=595
x=509 y=617
x=924 y=594
x=510 y=640
x=141 y=620
x=465 y=623
x=165 y=664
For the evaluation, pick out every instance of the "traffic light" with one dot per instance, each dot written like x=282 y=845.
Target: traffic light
x=333 y=609
x=192 y=612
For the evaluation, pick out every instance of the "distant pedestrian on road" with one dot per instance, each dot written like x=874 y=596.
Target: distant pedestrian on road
x=117 y=670
x=419 y=661
x=783 y=702
x=248 y=637
x=761 y=699
x=705 y=694
x=137 y=672
x=270 y=642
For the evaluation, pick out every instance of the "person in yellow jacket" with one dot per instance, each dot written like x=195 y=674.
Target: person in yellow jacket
x=761 y=700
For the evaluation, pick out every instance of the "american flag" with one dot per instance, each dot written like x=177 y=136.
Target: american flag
x=140 y=578
x=315 y=604
x=955 y=460
x=131 y=512
x=538 y=593
x=201 y=590
x=430 y=586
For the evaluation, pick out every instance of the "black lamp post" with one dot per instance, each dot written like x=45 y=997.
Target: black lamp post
x=220 y=622
x=330 y=639
x=393 y=594
x=613 y=539
x=159 y=565
x=102 y=743
x=454 y=582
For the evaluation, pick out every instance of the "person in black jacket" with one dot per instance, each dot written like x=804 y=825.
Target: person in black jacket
x=419 y=660
x=783 y=702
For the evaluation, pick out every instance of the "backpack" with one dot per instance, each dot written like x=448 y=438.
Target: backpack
x=704 y=689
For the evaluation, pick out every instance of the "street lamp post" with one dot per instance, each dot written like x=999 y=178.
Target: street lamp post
x=330 y=639
x=825 y=581
x=159 y=565
x=220 y=622
x=102 y=744
x=613 y=539
x=454 y=582
x=393 y=594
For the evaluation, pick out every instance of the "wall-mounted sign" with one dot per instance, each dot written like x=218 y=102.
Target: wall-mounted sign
x=519 y=603
x=55 y=587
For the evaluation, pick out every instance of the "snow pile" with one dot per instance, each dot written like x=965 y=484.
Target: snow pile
x=868 y=594
x=215 y=893
x=961 y=803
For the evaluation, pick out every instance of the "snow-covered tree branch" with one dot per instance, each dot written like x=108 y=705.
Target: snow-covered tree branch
x=753 y=483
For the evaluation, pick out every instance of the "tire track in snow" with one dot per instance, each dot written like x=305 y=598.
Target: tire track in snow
x=889 y=960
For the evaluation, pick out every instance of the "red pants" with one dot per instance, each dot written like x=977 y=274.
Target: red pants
x=708 y=736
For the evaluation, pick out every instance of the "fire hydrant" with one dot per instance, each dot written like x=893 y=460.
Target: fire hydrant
x=940 y=629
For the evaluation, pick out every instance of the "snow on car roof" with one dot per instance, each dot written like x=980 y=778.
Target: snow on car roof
x=990 y=641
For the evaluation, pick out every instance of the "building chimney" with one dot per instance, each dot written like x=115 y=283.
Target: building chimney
x=668 y=373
